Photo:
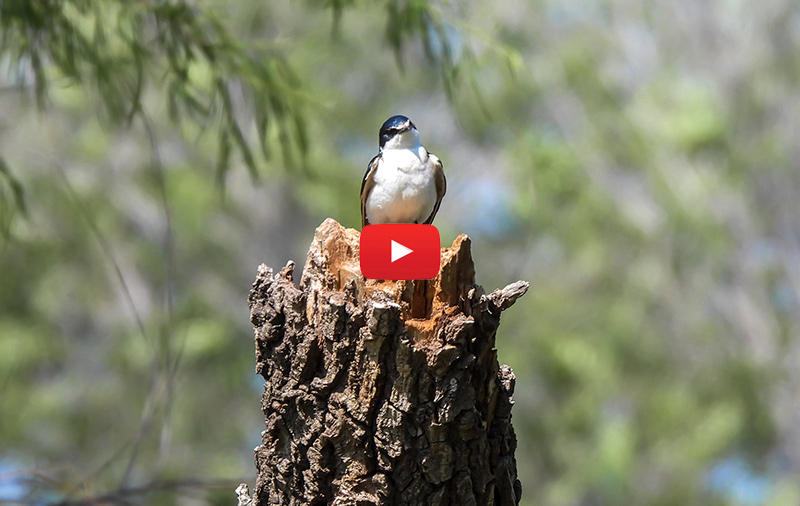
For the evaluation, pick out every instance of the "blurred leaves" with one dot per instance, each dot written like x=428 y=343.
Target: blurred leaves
x=121 y=49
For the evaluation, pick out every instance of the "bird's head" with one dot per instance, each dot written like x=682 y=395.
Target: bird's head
x=398 y=132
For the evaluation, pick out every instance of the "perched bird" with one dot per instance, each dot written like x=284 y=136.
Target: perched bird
x=404 y=183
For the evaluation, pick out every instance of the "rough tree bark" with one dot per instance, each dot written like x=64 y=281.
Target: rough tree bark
x=382 y=392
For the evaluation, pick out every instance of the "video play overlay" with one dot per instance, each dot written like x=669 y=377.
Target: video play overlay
x=400 y=251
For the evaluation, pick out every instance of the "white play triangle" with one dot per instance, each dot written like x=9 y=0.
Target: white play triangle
x=399 y=251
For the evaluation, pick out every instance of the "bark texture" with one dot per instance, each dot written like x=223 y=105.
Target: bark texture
x=382 y=392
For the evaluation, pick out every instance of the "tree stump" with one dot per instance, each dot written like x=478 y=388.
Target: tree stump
x=382 y=392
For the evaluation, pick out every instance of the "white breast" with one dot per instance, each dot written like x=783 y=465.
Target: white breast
x=405 y=188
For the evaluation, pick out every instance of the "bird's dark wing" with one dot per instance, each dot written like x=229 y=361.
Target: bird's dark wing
x=366 y=187
x=441 y=185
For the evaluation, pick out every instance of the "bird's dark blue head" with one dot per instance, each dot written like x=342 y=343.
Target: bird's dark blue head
x=392 y=127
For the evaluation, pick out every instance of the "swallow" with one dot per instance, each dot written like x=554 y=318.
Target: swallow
x=404 y=183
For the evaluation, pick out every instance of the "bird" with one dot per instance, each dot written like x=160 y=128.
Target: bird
x=404 y=183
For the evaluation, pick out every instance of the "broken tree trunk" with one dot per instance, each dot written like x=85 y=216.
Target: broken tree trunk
x=382 y=392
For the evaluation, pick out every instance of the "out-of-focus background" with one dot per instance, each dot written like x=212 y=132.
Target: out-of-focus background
x=636 y=162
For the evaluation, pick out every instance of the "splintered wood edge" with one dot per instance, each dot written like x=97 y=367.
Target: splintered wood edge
x=333 y=263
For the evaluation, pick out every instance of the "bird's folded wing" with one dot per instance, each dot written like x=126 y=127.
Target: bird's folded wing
x=366 y=187
x=441 y=185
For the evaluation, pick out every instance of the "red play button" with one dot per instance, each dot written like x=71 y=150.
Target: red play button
x=400 y=251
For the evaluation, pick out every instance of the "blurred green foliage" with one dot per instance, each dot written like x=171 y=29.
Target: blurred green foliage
x=636 y=163
x=118 y=49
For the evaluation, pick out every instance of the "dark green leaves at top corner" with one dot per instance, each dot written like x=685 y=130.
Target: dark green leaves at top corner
x=118 y=50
